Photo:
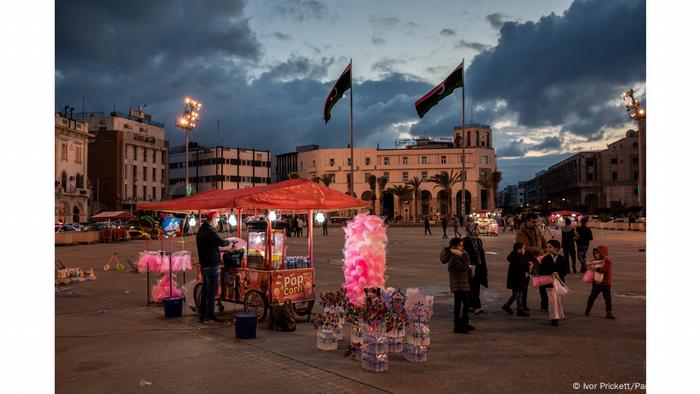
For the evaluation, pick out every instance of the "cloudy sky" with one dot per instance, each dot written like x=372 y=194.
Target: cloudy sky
x=546 y=74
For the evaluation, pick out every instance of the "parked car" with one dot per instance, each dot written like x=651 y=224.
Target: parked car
x=65 y=228
x=620 y=219
x=136 y=233
x=100 y=226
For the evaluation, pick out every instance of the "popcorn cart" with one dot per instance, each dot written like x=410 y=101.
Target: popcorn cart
x=263 y=274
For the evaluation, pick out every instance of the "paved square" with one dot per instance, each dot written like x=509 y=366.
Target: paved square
x=108 y=340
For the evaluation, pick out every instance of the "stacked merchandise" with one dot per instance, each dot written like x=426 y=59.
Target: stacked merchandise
x=168 y=263
x=375 y=357
x=419 y=310
x=66 y=276
x=330 y=323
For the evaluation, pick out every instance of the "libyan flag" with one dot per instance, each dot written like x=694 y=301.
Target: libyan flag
x=452 y=82
x=341 y=85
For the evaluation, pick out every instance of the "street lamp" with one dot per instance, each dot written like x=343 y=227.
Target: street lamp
x=640 y=115
x=187 y=122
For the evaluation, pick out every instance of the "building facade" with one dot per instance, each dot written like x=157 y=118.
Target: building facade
x=218 y=167
x=128 y=159
x=423 y=158
x=72 y=189
x=595 y=179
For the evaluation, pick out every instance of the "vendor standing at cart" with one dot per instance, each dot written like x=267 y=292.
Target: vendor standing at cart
x=208 y=243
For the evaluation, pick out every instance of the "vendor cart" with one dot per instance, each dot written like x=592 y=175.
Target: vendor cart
x=264 y=275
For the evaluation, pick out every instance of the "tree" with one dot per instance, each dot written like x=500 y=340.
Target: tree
x=372 y=181
x=381 y=182
x=490 y=182
x=446 y=181
x=415 y=183
x=326 y=179
x=402 y=192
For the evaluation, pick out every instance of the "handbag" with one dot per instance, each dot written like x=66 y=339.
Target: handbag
x=472 y=271
x=560 y=287
x=540 y=280
x=588 y=276
x=598 y=277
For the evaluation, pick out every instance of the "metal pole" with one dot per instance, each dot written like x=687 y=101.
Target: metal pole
x=464 y=141
x=310 y=233
x=352 y=150
x=642 y=128
x=187 y=161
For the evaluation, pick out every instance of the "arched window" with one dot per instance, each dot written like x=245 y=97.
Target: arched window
x=469 y=138
x=64 y=181
x=79 y=181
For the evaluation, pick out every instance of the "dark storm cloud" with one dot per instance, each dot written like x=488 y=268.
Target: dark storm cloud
x=495 y=20
x=549 y=143
x=298 y=67
x=514 y=150
x=281 y=36
x=523 y=169
x=470 y=45
x=448 y=32
x=112 y=38
x=563 y=70
x=301 y=10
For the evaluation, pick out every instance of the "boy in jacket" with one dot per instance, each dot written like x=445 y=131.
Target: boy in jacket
x=458 y=267
x=553 y=264
x=600 y=253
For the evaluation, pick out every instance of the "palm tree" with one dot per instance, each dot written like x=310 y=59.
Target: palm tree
x=372 y=181
x=326 y=179
x=486 y=182
x=446 y=181
x=381 y=182
x=496 y=178
x=415 y=183
x=402 y=192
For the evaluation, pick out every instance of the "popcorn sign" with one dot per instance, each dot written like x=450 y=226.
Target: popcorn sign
x=296 y=285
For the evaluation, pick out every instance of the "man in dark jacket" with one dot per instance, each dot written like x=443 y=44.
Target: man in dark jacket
x=208 y=242
x=458 y=267
x=443 y=220
x=426 y=224
x=530 y=235
x=585 y=236
x=568 y=243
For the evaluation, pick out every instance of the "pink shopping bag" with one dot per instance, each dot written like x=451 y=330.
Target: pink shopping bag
x=541 y=280
x=588 y=276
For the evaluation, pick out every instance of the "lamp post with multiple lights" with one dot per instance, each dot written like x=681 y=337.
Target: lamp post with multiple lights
x=638 y=113
x=187 y=122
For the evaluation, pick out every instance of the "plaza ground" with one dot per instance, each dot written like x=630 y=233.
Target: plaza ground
x=108 y=340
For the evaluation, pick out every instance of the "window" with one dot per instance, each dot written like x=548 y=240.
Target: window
x=349 y=162
x=64 y=181
x=162 y=175
x=443 y=159
x=333 y=178
x=424 y=175
x=313 y=163
x=404 y=160
x=153 y=178
x=386 y=160
x=78 y=154
x=635 y=160
x=133 y=177
x=484 y=160
x=153 y=196
x=154 y=160
x=331 y=162
x=405 y=177
x=367 y=174
x=145 y=154
x=424 y=159
x=143 y=196
x=367 y=161
x=133 y=192
x=301 y=165
x=145 y=174
x=614 y=175
x=126 y=171
x=64 y=152
x=162 y=158
x=162 y=192
x=469 y=138
x=636 y=175
x=613 y=160
x=386 y=175
x=134 y=159
x=634 y=144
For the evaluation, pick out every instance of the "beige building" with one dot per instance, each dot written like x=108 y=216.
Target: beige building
x=218 y=167
x=422 y=158
x=72 y=196
x=128 y=159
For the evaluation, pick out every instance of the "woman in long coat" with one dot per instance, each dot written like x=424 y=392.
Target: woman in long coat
x=474 y=247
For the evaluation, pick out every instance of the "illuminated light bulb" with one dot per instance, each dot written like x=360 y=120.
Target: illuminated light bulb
x=187 y=99
x=320 y=217
x=272 y=216
x=193 y=222
x=232 y=220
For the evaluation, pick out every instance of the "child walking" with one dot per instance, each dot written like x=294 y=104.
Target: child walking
x=601 y=265
x=553 y=264
x=518 y=275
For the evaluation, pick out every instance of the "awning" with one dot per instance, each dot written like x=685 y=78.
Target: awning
x=113 y=215
x=292 y=195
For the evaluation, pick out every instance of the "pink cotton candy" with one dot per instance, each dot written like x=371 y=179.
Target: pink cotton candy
x=162 y=289
x=365 y=256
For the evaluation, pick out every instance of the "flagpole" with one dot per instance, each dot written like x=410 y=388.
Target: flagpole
x=464 y=142
x=352 y=150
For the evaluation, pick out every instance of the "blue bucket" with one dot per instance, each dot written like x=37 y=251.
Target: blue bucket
x=172 y=306
x=246 y=325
